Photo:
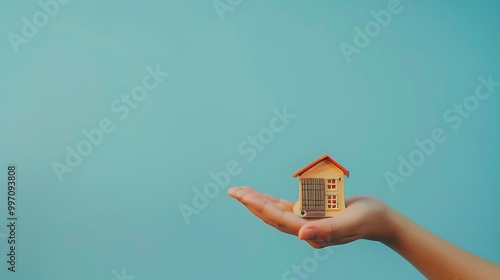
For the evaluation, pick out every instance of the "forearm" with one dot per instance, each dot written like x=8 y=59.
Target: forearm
x=434 y=257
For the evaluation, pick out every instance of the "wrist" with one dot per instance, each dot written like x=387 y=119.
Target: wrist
x=393 y=227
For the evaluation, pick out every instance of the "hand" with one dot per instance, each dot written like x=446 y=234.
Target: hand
x=364 y=217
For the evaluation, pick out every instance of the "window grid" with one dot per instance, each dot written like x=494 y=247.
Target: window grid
x=332 y=201
x=331 y=184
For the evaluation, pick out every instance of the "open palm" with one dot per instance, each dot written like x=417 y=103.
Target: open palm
x=364 y=217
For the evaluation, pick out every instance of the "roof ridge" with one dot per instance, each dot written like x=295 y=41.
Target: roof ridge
x=318 y=160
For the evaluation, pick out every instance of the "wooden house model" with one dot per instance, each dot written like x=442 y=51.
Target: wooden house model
x=321 y=188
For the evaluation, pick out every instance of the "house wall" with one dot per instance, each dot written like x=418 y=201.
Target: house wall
x=326 y=169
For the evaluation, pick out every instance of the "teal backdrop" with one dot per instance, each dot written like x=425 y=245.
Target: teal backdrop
x=115 y=159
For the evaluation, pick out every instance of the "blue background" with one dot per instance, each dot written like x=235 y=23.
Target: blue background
x=120 y=207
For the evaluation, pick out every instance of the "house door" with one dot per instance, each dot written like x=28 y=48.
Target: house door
x=313 y=197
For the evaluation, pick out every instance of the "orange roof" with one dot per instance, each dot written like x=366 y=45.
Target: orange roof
x=312 y=164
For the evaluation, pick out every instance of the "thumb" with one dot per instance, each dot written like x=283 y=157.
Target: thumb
x=326 y=229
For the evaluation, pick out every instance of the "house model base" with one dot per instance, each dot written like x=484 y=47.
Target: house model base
x=321 y=188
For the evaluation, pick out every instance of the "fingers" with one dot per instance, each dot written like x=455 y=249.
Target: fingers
x=232 y=192
x=268 y=209
x=330 y=231
x=282 y=203
x=286 y=205
x=316 y=244
x=320 y=233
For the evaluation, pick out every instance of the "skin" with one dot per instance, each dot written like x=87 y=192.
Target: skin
x=367 y=217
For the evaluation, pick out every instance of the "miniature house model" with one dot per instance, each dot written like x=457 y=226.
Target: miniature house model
x=321 y=188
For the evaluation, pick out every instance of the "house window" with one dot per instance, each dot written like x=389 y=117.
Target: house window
x=332 y=201
x=331 y=184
